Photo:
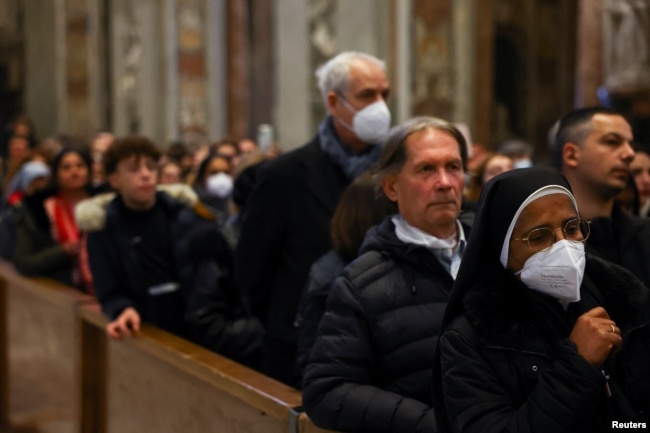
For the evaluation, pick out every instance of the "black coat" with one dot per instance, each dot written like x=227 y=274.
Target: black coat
x=213 y=313
x=322 y=275
x=623 y=239
x=286 y=229
x=508 y=366
x=505 y=359
x=35 y=252
x=370 y=368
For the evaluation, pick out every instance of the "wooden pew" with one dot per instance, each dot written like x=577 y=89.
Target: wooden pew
x=78 y=380
x=38 y=352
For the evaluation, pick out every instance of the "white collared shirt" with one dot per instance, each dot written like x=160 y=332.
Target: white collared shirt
x=449 y=252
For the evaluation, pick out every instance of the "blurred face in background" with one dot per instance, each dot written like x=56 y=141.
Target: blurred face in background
x=72 y=173
x=497 y=164
x=218 y=164
x=640 y=167
x=169 y=173
x=18 y=148
x=100 y=144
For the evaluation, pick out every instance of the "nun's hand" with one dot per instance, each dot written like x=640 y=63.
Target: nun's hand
x=595 y=336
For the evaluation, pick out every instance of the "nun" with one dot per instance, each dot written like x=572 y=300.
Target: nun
x=538 y=337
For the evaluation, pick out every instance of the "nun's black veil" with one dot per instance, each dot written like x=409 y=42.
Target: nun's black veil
x=501 y=198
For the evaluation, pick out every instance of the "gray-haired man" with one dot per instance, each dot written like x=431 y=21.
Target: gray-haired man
x=286 y=227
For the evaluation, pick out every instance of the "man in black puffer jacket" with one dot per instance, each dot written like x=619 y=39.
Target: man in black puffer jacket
x=370 y=368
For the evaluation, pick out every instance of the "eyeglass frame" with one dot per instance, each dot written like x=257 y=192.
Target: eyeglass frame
x=580 y=220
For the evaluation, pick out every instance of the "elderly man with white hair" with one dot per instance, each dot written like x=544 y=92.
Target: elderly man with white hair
x=286 y=226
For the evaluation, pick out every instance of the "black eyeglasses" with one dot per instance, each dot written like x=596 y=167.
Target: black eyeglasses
x=575 y=230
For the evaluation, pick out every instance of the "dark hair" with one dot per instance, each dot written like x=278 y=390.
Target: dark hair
x=58 y=159
x=125 y=147
x=203 y=167
x=225 y=142
x=359 y=209
x=177 y=150
x=574 y=127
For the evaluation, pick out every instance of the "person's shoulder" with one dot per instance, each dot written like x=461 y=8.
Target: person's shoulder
x=369 y=267
x=90 y=214
x=294 y=157
x=326 y=268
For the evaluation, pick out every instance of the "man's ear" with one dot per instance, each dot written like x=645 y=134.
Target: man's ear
x=332 y=103
x=571 y=155
x=388 y=185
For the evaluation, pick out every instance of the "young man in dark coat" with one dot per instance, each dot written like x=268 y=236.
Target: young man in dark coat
x=594 y=151
x=288 y=213
x=158 y=257
x=370 y=367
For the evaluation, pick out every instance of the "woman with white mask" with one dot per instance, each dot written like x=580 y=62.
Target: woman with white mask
x=537 y=336
x=214 y=185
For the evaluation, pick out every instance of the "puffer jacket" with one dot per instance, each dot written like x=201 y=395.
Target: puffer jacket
x=507 y=364
x=215 y=314
x=370 y=368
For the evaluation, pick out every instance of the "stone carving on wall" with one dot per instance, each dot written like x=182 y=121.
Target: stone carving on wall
x=431 y=75
x=77 y=79
x=323 y=46
x=321 y=27
x=192 y=111
x=626 y=40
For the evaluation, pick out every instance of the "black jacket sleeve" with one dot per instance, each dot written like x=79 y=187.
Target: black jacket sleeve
x=337 y=393
x=563 y=400
x=216 y=313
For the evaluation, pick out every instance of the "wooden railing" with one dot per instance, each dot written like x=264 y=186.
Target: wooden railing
x=59 y=373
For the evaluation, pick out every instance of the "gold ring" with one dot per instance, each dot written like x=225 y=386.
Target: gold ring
x=613 y=329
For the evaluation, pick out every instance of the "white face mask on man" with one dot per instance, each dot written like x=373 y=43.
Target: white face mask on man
x=557 y=272
x=371 y=124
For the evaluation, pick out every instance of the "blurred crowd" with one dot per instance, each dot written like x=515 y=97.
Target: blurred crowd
x=405 y=277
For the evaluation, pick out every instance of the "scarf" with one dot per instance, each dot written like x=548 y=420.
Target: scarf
x=341 y=154
x=64 y=230
x=448 y=251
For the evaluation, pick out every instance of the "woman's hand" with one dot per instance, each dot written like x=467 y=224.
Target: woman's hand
x=595 y=336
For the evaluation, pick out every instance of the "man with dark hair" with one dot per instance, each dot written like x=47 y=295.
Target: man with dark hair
x=286 y=227
x=158 y=257
x=370 y=366
x=593 y=150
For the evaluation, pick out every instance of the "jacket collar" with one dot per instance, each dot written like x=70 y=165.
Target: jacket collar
x=91 y=214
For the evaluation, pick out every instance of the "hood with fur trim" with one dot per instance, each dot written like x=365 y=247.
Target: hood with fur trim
x=90 y=214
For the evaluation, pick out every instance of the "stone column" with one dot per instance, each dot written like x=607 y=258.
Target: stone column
x=432 y=59
x=45 y=96
x=294 y=78
x=139 y=68
x=589 y=53
x=238 y=67
x=192 y=72
x=217 y=68
x=483 y=72
x=261 y=65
